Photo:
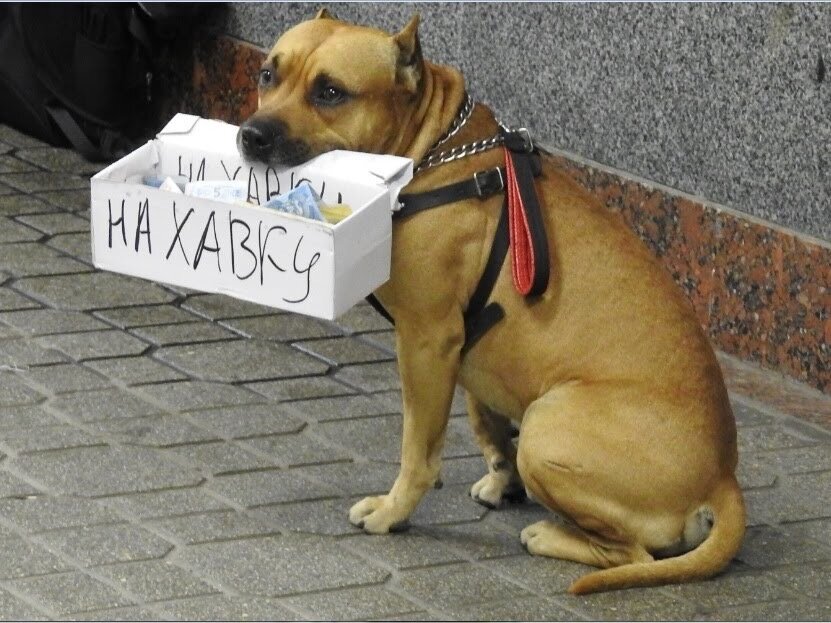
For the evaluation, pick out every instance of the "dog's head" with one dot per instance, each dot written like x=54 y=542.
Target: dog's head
x=331 y=85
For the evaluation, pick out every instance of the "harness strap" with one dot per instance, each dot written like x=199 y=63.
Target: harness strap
x=483 y=184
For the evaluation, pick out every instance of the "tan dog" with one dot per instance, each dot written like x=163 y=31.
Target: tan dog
x=625 y=424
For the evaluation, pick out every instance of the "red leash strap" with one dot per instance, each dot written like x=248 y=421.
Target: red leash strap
x=523 y=261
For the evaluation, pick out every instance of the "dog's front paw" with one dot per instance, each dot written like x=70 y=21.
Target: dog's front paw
x=492 y=488
x=376 y=516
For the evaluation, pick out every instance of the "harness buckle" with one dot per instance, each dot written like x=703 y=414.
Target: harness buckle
x=519 y=140
x=488 y=182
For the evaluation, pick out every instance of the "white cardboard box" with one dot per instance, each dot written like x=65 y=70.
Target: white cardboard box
x=248 y=252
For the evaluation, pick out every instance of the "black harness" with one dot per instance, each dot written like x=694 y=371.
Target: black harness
x=480 y=316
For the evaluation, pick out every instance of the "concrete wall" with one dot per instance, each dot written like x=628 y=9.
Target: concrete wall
x=724 y=101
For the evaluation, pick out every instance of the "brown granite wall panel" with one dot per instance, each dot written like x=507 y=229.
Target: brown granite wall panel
x=762 y=293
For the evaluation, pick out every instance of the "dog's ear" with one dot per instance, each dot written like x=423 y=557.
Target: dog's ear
x=410 y=62
x=324 y=14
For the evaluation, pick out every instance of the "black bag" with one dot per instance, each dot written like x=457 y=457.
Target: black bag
x=81 y=75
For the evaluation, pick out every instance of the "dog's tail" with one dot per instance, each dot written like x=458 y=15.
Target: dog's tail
x=710 y=557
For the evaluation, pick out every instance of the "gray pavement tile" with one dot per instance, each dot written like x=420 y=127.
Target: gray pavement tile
x=49 y=513
x=227 y=608
x=300 y=388
x=184 y=333
x=9 y=164
x=12 y=486
x=384 y=340
x=796 y=460
x=753 y=473
x=11 y=301
x=7 y=190
x=15 y=138
x=95 y=345
x=343 y=350
x=524 y=609
x=450 y=504
x=76 y=245
x=517 y=516
x=774 y=437
x=221 y=457
x=24 y=417
x=21 y=353
x=798 y=497
x=135 y=370
x=404 y=550
x=92 y=291
x=12 y=392
x=135 y=613
x=818 y=530
x=70 y=377
x=155 y=580
x=66 y=593
x=241 y=360
x=145 y=315
x=59 y=159
x=362 y=317
x=371 y=377
x=299 y=449
x=154 y=430
x=811 y=580
x=22 y=558
x=103 y=544
x=353 y=479
x=248 y=420
x=74 y=200
x=220 y=307
x=4 y=147
x=479 y=540
x=55 y=223
x=37 y=261
x=462 y=470
x=345 y=407
x=39 y=439
x=642 y=604
x=769 y=547
x=104 y=404
x=278 y=565
x=12 y=231
x=46 y=321
x=324 y=517
x=105 y=471
x=270 y=487
x=14 y=609
x=13 y=205
x=40 y=181
x=455 y=585
x=191 y=395
x=729 y=589
x=215 y=526
x=352 y=604
x=802 y=610
x=166 y=503
x=283 y=327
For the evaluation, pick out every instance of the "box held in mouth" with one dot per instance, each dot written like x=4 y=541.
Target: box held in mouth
x=244 y=250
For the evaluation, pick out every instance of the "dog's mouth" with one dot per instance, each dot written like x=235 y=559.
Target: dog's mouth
x=267 y=142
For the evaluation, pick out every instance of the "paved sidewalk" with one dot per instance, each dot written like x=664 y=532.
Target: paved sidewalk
x=171 y=455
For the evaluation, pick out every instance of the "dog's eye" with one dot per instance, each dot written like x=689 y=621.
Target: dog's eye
x=266 y=77
x=329 y=95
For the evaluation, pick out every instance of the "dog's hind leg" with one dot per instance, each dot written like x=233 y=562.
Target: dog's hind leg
x=494 y=434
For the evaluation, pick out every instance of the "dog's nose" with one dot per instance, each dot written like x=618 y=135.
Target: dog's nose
x=257 y=139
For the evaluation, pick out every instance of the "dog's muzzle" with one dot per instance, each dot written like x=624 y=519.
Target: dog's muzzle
x=266 y=141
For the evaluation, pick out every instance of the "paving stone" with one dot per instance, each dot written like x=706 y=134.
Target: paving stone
x=798 y=497
x=16 y=138
x=4 y=147
x=226 y=608
x=74 y=200
x=9 y=164
x=7 y=190
x=450 y=504
x=19 y=203
x=22 y=558
x=216 y=526
x=633 y=605
x=769 y=438
x=220 y=307
x=43 y=181
x=135 y=613
x=65 y=593
x=99 y=545
x=248 y=421
x=811 y=580
x=12 y=392
x=12 y=231
x=97 y=345
x=361 y=318
x=22 y=353
x=242 y=360
x=343 y=350
x=70 y=377
x=371 y=377
x=729 y=589
x=301 y=388
x=479 y=540
x=75 y=245
x=353 y=478
x=12 y=486
x=92 y=291
x=145 y=315
x=105 y=404
x=98 y=471
x=519 y=515
x=343 y=407
x=31 y=260
x=190 y=395
x=353 y=604
x=270 y=487
x=24 y=417
x=46 y=321
x=58 y=159
x=767 y=547
x=39 y=439
x=13 y=609
x=11 y=300
x=155 y=430
x=803 y=610
x=283 y=327
x=184 y=333
x=754 y=472
x=385 y=340
x=797 y=460
x=167 y=503
x=135 y=370
x=325 y=517
x=525 y=609
x=48 y=513
x=413 y=548
x=155 y=580
x=300 y=449
x=55 y=223
x=462 y=470
x=277 y=565
x=221 y=457
x=818 y=530
x=455 y=585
